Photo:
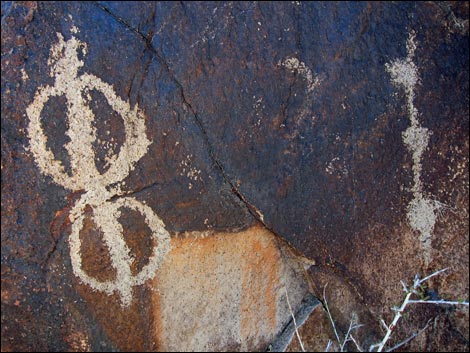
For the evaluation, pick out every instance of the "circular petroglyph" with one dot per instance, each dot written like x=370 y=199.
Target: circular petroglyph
x=64 y=63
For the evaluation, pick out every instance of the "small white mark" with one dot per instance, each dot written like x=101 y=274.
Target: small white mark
x=190 y=171
x=293 y=64
x=336 y=166
x=24 y=75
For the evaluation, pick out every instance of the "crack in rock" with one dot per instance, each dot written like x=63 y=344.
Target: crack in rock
x=251 y=208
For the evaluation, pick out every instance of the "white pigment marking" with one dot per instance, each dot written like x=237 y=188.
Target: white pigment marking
x=192 y=173
x=422 y=212
x=24 y=75
x=312 y=81
x=293 y=64
x=64 y=64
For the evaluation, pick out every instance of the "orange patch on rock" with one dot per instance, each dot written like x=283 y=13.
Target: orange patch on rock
x=260 y=275
x=219 y=292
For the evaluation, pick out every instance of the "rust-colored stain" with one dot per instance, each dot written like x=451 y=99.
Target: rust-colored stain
x=221 y=289
x=215 y=291
x=128 y=328
x=185 y=204
x=261 y=266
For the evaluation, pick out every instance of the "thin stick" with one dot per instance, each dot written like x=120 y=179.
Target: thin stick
x=295 y=323
x=437 y=302
x=358 y=346
x=329 y=315
x=398 y=315
x=413 y=336
x=432 y=275
x=352 y=326
x=399 y=311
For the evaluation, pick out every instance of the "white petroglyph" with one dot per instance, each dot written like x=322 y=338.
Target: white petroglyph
x=24 y=75
x=258 y=107
x=190 y=171
x=312 y=82
x=293 y=64
x=422 y=212
x=65 y=64
x=337 y=166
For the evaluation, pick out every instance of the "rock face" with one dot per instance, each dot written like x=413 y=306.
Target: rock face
x=171 y=170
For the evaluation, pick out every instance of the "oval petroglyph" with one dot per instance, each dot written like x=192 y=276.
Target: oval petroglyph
x=99 y=188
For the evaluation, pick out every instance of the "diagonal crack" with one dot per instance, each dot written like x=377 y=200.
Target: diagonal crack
x=134 y=192
x=286 y=105
x=57 y=226
x=251 y=208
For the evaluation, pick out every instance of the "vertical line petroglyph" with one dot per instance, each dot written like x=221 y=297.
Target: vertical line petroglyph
x=421 y=211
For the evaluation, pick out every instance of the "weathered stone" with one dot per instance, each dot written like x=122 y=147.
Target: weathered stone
x=341 y=128
x=206 y=295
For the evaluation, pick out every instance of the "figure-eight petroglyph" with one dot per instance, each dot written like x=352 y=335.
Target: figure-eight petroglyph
x=99 y=188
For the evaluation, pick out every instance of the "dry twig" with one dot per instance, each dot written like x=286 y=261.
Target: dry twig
x=295 y=323
x=353 y=325
x=414 y=289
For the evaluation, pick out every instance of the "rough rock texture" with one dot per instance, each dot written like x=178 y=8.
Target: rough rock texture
x=276 y=136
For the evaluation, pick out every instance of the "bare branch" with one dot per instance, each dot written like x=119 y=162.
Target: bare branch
x=413 y=336
x=414 y=289
x=446 y=302
x=398 y=315
x=432 y=275
x=353 y=325
x=358 y=346
x=329 y=315
x=295 y=323
x=405 y=286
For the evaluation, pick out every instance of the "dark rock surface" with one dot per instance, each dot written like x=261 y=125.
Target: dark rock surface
x=279 y=114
